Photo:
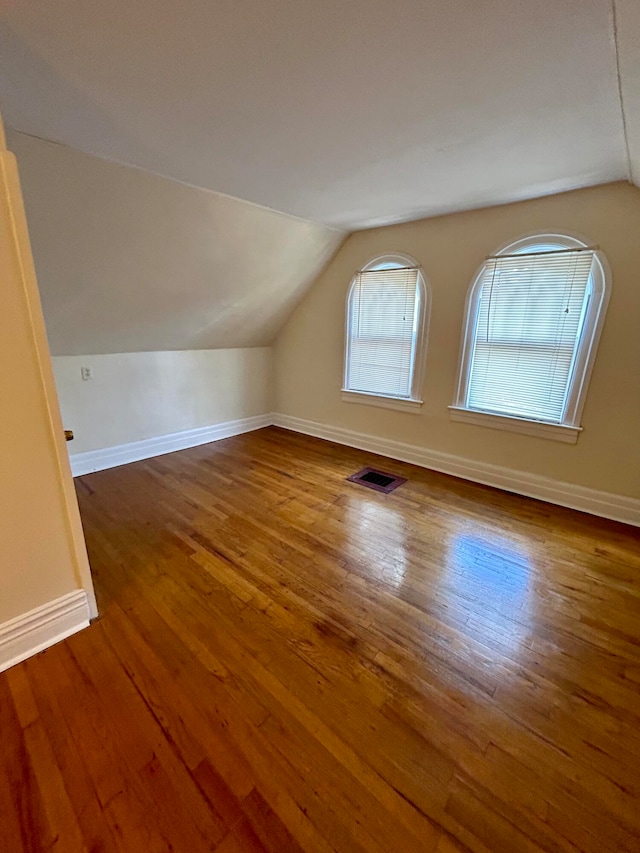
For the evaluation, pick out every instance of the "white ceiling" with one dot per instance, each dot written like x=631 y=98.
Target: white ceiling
x=345 y=112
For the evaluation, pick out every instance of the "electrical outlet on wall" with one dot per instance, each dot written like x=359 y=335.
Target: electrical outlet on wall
x=86 y=373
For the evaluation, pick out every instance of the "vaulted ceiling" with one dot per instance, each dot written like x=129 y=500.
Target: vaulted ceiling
x=128 y=261
x=345 y=113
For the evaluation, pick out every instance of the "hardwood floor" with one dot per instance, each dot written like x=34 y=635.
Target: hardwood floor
x=287 y=661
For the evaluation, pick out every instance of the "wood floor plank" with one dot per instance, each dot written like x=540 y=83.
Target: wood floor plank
x=36 y=704
x=24 y=814
x=286 y=661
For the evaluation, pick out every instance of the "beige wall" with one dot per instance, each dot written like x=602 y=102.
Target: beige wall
x=308 y=354
x=140 y=395
x=42 y=554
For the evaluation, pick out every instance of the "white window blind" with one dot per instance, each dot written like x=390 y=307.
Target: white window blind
x=381 y=331
x=528 y=324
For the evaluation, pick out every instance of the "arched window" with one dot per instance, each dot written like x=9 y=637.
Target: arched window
x=533 y=319
x=385 y=332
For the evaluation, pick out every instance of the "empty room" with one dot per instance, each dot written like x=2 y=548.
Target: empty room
x=320 y=388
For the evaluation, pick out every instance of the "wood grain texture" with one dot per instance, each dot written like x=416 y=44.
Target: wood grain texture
x=286 y=661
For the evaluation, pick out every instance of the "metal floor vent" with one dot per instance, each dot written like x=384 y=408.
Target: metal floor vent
x=378 y=480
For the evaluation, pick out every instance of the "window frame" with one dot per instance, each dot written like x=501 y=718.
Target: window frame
x=569 y=428
x=414 y=402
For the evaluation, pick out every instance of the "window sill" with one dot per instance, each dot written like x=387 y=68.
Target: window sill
x=400 y=405
x=539 y=429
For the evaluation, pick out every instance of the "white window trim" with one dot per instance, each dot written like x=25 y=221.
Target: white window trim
x=569 y=429
x=383 y=401
x=403 y=404
x=540 y=429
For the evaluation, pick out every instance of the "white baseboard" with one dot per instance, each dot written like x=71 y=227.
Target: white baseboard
x=26 y=635
x=121 y=454
x=604 y=504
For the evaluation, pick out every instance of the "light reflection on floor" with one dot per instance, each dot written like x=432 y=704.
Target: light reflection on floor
x=380 y=539
x=495 y=565
x=478 y=570
x=495 y=574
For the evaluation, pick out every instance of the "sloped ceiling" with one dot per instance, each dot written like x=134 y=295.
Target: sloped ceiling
x=346 y=113
x=628 y=40
x=129 y=261
x=339 y=114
